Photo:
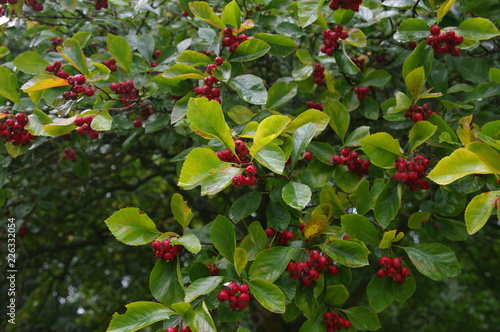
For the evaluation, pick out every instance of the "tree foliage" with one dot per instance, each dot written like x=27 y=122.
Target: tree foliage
x=240 y=139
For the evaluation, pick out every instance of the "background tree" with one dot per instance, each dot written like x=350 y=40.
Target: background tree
x=110 y=106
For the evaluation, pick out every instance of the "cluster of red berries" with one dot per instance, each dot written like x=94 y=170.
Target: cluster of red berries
x=394 y=269
x=69 y=154
x=316 y=106
x=241 y=151
x=99 y=4
x=353 y=162
x=309 y=271
x=236 y=295
x=412 y=173
x=334 y=322
x=232 y=41
x=345 y=4
x=56 y=41
x=56 y=69
x=127 y=91
x=319 y=74
x=283 y=237
x=77 y=86
x=444 y=42
x=174 y=329
x=250 y=180
x=111 y=64
x=38 y=7
x=83 y=123
x=214 y=270
x=165 y=250
x=208 y=91
x=360 y=63
x=12 y=130
x=361 y=92
x=418 y=113
x=331 y=39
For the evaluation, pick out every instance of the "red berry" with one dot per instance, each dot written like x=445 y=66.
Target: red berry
x=218 y=61
x=244 y=289
x=405 y=272
x=233 y=288
x=345 y=152
x=385 y=262
x=308 y=156
x=244 y=297
x=185 y=13
x=238 y=180
x=172 y=329
x=396 y=262
x=435 y=30
x=251 y=170
x=333 y=270
x=381 y=273
x=223 y=296
x=137 y=123
x=270 y=232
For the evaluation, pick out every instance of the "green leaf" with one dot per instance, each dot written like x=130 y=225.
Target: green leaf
x=8 y=85
x=345 y=63
x=218 y=181
x=120 y=50
x=240 y=260
x=422 y=55
x=444 y=8
x=16 y=150
x=460 y=163
x=415 y=81
x=362 y=318
x=60 y=127
x=301 y=139
x=181 y=71
x=362 y=198
x=336 y=294
x=377 y=78
x=249 y=50
x=223 y=72
x=207 y=120
x=138 y=315
x=240 y=114
x=343 y=16
x=479 y=210
x=359 y=227
x=420 y=133
x=435 y=261
x=272 y=157
x=308 y=11
x=223 y=237
x=316 y=117
x=280 y=45
x=245 y=205
x=339 y=116
x=36 y=121
x=405 y=290
x=30 y=63
x=192 y=58
x=269 y=264
x=268 y=295
x=346 y=252
x=181 y=211
x=277 y=215
x=359 y=133
x=202 y=10
x=280 y=94
x=102 y=121
x=190 y=242
x=43 y=82
x=412 y=29
x=416 y=219
x=356 y=37
x=250 y=88
x=389 y=238
x=302 y=72
x=101 y=73
x=402 y=103
x=165 y=282
x=202 y=320
x=381 y=293
x=323 y=151
x=305 y=57
x=232 y=14
x=193 y=171
x=270 y=128
x=345 y=179
x=202 y=286
x=388 y=204
x=296 y=195
x=482 y=91
x=132 y=226
x=381 y=148
x=72 y=52
x=477 y=28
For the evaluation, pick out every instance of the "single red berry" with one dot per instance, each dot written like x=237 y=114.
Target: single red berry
x=333 y=270
x=381 y=273
x=308 y=156
x=137 y=123
x=185 y=13
x=223 y=296
x=405 y=272
x=345 y=152
x=239 y=181
x=233 y=288
x=270 y=232
x=412 y=44
x=385 y=262
x=244 y=288
x=218 y=61
x=435 y=30
x=171 y=329
x=186 y=329
x=396 y=262
x=244 y=297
